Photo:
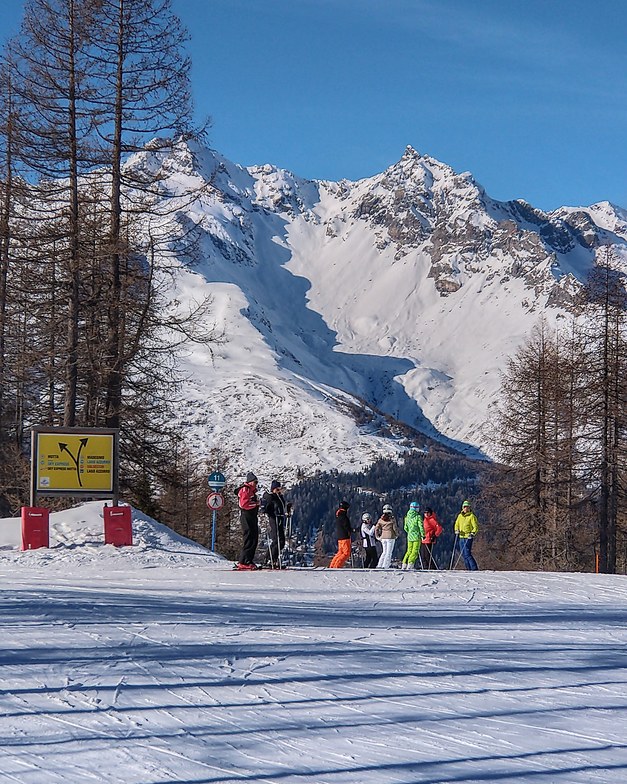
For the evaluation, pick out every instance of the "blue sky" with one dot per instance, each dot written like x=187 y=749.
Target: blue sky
x=528 y=95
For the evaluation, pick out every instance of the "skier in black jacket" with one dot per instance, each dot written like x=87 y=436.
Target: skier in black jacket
x=343 y=531
x=276 y=509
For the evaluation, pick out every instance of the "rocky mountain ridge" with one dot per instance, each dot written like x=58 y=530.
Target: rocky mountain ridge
x=403 y=292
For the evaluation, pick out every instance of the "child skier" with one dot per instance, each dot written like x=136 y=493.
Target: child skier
x=368 y=541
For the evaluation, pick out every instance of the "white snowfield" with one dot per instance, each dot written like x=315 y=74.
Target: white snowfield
x=158 y=663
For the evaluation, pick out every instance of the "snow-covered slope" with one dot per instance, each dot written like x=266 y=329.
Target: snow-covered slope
x=405 y=291
x=158 y=663
x=77 y=536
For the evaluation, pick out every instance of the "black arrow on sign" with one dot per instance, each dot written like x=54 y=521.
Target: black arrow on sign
x=64 y=447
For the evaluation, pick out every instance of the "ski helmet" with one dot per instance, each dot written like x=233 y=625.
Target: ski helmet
x=414 y=505
x=387 y=509
x=366 y=517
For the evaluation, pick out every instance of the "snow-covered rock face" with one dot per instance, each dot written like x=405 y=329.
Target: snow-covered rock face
x=405 y=291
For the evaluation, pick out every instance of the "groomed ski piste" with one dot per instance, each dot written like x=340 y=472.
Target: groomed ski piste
x=158 y=663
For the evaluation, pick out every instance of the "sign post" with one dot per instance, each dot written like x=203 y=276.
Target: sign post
x=215 y=501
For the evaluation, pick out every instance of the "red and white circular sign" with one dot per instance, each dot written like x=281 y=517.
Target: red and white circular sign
x=215 y=501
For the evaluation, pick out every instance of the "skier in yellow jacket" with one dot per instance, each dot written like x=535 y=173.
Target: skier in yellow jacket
x=466 y=528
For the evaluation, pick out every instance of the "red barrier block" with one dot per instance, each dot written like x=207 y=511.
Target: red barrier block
x=35 y=527
x=117 y=526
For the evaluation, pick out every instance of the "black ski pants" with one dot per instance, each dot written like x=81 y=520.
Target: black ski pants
x=249 y=521
x=426 y=555
x=276 y=529
x=371 y=557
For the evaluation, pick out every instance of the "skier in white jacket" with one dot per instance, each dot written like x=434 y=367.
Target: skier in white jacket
x=368 y=541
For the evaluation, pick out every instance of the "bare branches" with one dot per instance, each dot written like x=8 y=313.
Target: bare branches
x=87 y=232
x=562 y=427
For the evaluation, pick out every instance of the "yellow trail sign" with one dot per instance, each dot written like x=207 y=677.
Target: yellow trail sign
x=74 y=462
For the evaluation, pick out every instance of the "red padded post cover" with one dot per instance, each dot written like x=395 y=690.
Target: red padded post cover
x=117 y=526
x=35 y=527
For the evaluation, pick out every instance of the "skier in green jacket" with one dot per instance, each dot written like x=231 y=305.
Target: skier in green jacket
x=415 y=534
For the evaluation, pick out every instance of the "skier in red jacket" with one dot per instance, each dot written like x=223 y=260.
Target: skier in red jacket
x=248 y=517
x=432 y=530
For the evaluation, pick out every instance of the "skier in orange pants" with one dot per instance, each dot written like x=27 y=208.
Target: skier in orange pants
x=343 y=532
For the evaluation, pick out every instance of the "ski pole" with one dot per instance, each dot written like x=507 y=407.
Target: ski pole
x=279 y=549
x=461 y=553
x=288 y=538
x=269 y=543
x=450 y=566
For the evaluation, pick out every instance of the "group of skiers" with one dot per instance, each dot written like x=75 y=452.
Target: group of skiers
x=277 y=511
x=422 y=531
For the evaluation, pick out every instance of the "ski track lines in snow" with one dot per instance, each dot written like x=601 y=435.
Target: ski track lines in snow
x=180 y=673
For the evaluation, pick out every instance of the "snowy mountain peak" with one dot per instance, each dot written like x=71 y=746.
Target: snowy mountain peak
x=602 y=215
x=399 y=295
x=421 y=169
x=410 y=153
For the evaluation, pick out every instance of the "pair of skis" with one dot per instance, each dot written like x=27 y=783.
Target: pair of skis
x=238 y=567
